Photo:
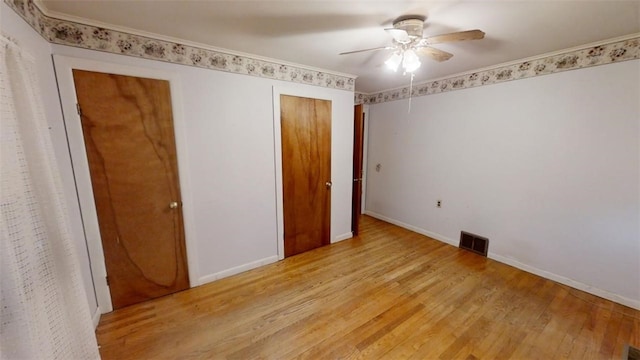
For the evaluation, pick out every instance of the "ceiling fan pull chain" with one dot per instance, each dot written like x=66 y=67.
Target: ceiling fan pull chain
x=410 y=92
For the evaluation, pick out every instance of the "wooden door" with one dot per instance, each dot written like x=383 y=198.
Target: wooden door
x=127 y=125
x=358 y=140
x=306 y=172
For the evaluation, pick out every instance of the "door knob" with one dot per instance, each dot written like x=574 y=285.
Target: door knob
x=328 y=184
x=173 y=205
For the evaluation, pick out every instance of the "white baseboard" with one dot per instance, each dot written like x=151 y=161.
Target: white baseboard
x=236 y=270
x=530 y=269
x=569 y=282
x=344 y=236
x=96 y=318
x=424 y=232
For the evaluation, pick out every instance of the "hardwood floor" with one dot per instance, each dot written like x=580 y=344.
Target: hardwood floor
x=389 y=293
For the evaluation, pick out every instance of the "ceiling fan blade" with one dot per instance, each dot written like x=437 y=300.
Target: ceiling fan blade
x=399 y=35
x=456 y=36
x=435 y=54
x=364 y=50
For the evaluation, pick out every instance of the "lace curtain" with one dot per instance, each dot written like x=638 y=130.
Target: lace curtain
x=43 y=309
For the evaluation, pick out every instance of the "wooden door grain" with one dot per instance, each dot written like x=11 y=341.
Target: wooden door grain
x=306 y=172
x=127 y=126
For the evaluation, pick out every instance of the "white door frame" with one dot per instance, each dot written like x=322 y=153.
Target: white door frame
x=63 y=68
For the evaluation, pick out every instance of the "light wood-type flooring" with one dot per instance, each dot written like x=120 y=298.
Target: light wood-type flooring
x=387 y=294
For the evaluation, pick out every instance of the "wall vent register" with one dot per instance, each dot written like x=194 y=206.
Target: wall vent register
x=474 y=243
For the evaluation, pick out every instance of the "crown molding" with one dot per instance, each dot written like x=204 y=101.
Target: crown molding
x=78 y=32
x=527 y=59
x=73 y=31
x=603 y=52
x=128 y=30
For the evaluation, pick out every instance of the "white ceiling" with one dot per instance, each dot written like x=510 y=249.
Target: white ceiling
x=314 y=32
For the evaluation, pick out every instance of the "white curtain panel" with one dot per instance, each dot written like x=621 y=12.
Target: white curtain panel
x=43 y=309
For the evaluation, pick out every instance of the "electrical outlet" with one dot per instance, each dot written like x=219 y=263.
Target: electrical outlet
x=439 y=203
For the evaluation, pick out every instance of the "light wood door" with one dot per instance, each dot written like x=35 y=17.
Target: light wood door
x=358 y=140
x=128 y=133
x=306 y=172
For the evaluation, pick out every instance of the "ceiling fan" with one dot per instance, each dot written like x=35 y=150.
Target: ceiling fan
x=408 y=43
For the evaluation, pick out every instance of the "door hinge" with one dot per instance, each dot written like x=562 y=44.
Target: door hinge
x=78 y=108
x=107 y=279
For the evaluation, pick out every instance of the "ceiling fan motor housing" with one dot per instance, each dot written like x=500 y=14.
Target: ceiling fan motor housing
x=413 y=27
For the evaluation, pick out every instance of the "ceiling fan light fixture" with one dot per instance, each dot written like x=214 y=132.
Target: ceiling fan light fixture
x=394 y=61
x=409 y=41
x=411 y=61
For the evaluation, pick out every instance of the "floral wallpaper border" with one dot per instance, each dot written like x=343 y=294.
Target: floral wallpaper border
x=94 y=38
x=589 y=56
